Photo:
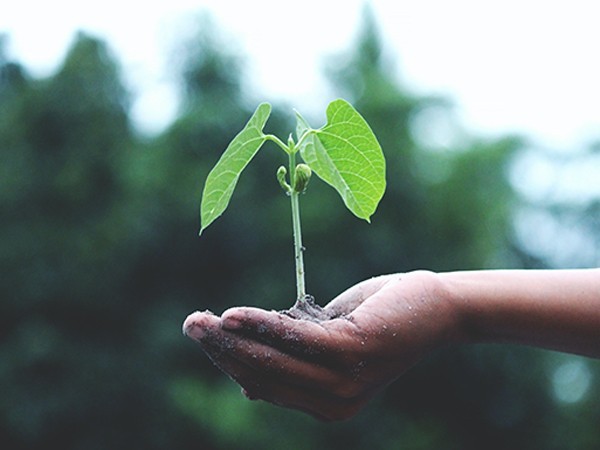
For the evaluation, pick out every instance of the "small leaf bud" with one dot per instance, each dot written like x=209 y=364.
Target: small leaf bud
x=281 y=173
x=290 y=142
x=302 y=177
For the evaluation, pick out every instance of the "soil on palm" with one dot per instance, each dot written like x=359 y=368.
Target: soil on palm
x=307 y=309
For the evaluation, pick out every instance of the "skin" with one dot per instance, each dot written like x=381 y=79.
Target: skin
x=384 y=325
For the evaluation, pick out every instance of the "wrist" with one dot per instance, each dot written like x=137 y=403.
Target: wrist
x=461 y=325
x=439 y=302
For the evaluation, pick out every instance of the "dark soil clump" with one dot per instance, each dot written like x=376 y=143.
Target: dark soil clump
x=307 y=309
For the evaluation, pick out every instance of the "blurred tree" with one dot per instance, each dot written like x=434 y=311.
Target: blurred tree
x=210 y=71
x=67 y=354
x=559 y=216
x=101 y=263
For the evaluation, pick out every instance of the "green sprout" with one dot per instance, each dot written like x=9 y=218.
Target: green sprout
x=344 y=153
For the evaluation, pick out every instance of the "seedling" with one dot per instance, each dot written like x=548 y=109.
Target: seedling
x=344 y=153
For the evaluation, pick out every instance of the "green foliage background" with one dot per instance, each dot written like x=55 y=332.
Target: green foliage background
x=100 y=263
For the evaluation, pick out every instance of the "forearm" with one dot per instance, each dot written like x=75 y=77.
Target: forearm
x=554 y=309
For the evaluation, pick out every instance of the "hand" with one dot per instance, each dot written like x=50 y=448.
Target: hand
x=329 y=369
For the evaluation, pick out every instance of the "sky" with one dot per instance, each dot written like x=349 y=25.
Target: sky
x=513 y=66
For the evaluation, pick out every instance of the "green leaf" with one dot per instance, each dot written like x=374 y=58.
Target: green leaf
x=346 y=155
x=222 y=179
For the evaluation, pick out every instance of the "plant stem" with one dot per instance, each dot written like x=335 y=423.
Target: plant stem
x=298 y=248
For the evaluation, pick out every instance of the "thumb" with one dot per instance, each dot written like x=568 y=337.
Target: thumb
x=353 y=297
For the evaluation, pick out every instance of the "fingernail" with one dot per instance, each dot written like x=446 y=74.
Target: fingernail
x=194 y=331
x=191 y=328
x=231 y=323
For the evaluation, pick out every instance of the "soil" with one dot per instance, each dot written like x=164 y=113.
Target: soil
x=308 y=309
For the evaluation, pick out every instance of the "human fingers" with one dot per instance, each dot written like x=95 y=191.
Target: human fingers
x=305 y=338
x=320 y=404
x=267 y=374
x=198 y=323
x=272 y=363
x=222 y=345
